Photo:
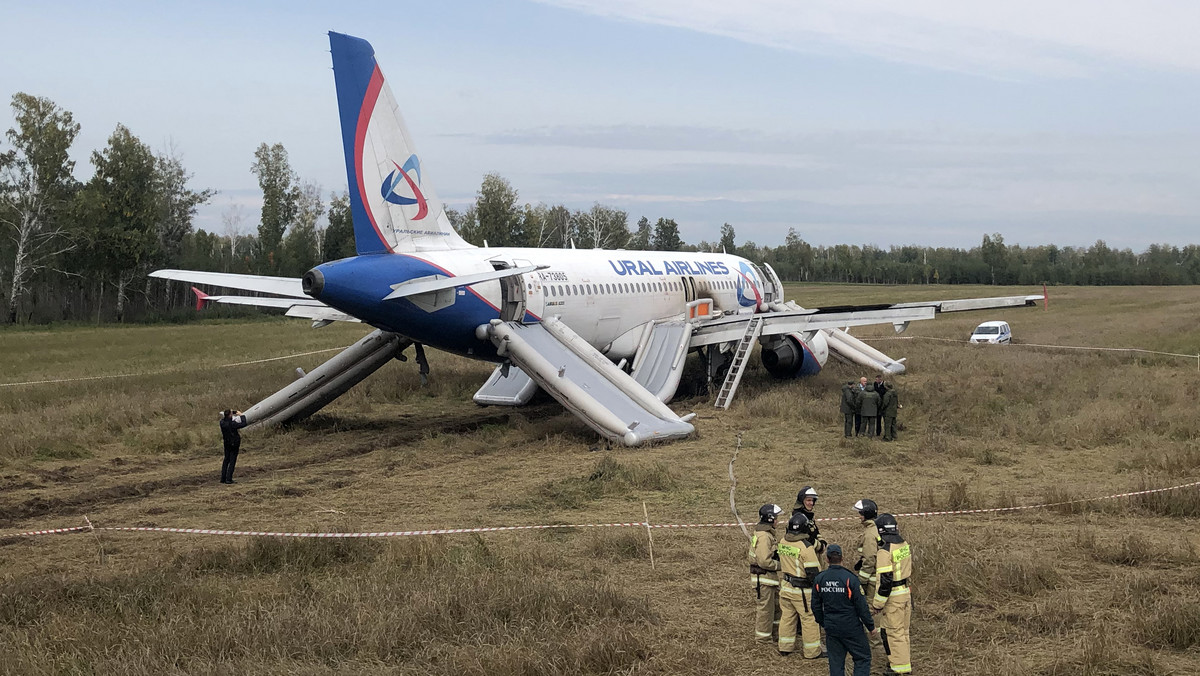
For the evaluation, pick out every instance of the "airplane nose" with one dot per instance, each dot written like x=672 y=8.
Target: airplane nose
x=313 y=283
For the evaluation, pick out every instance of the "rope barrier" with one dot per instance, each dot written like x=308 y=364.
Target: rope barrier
x=1053 y=347
x=172 y=370
x=495 y=529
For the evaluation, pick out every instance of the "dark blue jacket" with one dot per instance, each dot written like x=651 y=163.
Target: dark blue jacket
x=838 y=603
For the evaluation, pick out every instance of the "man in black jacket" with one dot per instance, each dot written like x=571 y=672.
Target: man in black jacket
x=882 y=389
x=840 y=608
x=231 y=422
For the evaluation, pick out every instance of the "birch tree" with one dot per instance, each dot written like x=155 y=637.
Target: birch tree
x=35 y=186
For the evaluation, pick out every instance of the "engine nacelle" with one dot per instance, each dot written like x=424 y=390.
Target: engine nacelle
x=794 y=355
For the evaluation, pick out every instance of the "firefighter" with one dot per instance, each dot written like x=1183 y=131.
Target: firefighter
x=798 y=568
x=867 y=547
x=806 y=502
x=892 y=604
x=764 y=567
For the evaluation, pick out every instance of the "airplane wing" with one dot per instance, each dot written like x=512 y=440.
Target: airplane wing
x=732 y=328
x=962 y=304
x=278 y=286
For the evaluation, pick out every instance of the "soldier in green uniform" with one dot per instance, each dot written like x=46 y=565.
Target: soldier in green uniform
x=890 y=403
x=869 y=408
x=849 y=403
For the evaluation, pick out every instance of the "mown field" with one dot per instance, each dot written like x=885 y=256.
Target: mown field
x=1097 y=588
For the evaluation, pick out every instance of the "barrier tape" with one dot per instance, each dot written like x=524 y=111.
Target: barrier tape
x=494 y=529
x=165 y=371
x=1053 y=347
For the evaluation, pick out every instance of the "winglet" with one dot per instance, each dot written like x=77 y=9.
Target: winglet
x=201 y=298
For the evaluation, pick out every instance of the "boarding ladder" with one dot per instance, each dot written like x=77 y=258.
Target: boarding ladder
x=740 y=356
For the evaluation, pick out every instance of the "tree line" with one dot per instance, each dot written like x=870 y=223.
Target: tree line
x=82 y=250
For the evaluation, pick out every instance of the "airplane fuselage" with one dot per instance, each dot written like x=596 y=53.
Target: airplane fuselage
x=605 y=296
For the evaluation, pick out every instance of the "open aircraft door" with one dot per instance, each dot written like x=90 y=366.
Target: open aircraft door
x=512 y=292
x=689 y=288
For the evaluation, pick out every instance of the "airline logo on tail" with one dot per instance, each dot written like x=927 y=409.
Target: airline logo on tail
x=747 y=282
x=388 y=189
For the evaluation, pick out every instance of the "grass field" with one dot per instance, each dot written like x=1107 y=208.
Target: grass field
x=1103 y=588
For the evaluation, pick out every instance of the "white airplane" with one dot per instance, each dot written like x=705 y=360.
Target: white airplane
x=604 y=332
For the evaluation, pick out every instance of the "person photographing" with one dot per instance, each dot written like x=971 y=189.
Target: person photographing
x=231 y=422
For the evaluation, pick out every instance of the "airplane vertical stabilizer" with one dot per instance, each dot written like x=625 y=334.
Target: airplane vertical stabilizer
x=392 y=201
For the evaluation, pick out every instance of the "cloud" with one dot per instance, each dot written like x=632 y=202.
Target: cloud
x=1016 y=38
x=887 y=186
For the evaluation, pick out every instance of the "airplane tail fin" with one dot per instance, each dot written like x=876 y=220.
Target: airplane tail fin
x=392 y=202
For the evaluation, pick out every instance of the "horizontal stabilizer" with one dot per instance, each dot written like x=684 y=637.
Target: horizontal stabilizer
x=415 y=287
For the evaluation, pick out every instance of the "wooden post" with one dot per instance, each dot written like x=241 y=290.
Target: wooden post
x=649 y=534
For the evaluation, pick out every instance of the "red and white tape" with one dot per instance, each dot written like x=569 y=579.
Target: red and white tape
x=1051 y=347
x=494 y=529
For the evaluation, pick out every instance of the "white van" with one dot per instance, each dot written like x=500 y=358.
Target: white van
x=992 y=332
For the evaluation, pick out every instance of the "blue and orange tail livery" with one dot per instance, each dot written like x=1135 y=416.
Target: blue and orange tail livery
x=392 y=202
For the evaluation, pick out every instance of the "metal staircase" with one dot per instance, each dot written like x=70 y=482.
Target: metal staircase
x=740 y=356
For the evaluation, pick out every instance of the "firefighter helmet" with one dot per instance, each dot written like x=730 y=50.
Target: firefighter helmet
x=867 y=508
x=799 y=525
x=886 y=525
x=767 y=513
x=806 y=492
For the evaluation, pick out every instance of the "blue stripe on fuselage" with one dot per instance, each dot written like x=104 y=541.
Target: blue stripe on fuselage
x=357 y=286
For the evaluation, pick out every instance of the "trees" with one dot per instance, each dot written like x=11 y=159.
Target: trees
x=120 y=207
x=994 y=254
x=728 y=241
x=177 y=205
x=602 y=227
x=280 y=197
x=338 y=238
x=35 y=187
x=498 y=220
x=641 y=237
x=666 y=236
x=302 y=244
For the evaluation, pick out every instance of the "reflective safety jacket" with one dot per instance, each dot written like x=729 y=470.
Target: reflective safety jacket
x=764 y=561
x=867 y=550
x=893 y=565
x=818 y=543
x=798 y=566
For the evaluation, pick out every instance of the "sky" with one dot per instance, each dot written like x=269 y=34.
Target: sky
x=927 y=122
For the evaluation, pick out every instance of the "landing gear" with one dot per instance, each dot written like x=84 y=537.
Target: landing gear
x=423 y=363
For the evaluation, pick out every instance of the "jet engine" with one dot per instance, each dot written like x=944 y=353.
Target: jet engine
x=793 y=354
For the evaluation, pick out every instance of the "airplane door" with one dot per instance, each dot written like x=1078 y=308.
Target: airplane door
x=512 y=295
x=689 y=289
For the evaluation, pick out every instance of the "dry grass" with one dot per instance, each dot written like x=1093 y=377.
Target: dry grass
x=1088 y=588
x=275 y=605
